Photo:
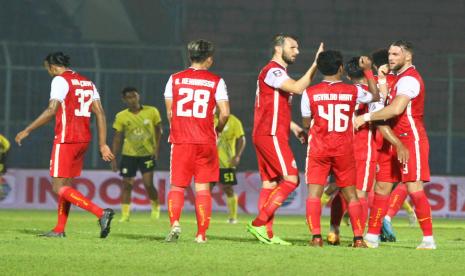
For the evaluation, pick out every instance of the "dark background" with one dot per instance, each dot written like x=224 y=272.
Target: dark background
x=140 y=43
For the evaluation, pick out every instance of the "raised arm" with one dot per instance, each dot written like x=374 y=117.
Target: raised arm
x=299 y=86
x=366 y=64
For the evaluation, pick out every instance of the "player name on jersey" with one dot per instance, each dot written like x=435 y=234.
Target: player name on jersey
x=81 y=82
x=196 y=82
x=332 y=97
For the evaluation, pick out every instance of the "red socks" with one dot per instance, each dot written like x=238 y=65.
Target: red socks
x=397 y=199
x=356 y=214
x=338 y=208
x=314 y=215
x=263 y=197
x=76 y=198
x=276 y=198
x=63 y=211
x=175 y=204
x=364 y=204
x=423 y=212
x=377 y=213
x=203 y=210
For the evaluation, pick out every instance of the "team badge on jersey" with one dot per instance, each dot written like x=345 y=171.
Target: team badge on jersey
x=277 y=73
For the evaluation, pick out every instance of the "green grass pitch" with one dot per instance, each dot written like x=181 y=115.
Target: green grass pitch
x=137 y=248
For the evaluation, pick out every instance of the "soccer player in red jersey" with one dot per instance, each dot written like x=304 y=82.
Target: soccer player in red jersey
x=191 y=97
x=327 y=109
x=365 y=154
x=72 y=100
x=406 y=111
x=272 y=125
x=391 y=151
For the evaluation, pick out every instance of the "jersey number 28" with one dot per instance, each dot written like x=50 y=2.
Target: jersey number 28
x=337 y=121
x=200 y=106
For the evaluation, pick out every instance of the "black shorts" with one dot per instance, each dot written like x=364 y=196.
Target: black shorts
x=130 y=165
x=228 y=176
x=3 y=162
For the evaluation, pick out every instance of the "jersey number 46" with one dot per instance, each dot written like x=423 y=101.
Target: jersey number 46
x=337 y=120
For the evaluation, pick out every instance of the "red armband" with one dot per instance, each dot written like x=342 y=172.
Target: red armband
x=369 y=74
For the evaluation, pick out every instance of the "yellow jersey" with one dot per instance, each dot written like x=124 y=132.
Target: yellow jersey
x=227 y=140
x=4 y=144
x=138 y=130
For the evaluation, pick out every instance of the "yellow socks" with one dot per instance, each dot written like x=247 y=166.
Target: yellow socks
x=125 y=210
x=407 y=207
x=155 y=210
x=232 y=206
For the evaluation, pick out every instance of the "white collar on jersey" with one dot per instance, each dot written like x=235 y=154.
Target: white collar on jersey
x=196 y=69
x=398 y=73
x=332 y=82
x=285 y=66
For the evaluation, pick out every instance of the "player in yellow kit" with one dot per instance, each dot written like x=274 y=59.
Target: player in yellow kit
x=231 y=144
x=4 y=148
x=140 y=125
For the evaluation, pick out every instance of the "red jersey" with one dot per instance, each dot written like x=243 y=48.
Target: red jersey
x=380 y=141
x=272 y=114
x=364 y=137
x=194 y=94
x=331 y=104
x=409 y=125
x=72 y=120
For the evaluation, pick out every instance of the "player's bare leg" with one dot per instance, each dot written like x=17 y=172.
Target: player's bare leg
x=423 y=212
x=152 y=192
x=331 y=189
x=203 y=210
x=338 y=209
x=313 y=213
x=355 y=211
x=126 y=191
x=277 y=196
x=377 y=212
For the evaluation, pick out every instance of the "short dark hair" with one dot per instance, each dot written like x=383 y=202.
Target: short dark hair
x=58 y=58
x=353 y=69
x=380 y=57
x=328 y=62
x=199 y=50
x=278 y=40
x=128 y=89
x=404 y=44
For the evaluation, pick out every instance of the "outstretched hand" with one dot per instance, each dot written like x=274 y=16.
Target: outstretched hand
x=20 y=136
x=106 y=153
x=383 y=70
x=365 y=63
x=321 y=48
x=358 y=122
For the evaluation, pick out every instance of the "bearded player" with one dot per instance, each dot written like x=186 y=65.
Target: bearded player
x=407 y=111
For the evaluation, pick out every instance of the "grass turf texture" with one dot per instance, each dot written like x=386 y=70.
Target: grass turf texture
x=137 y=248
